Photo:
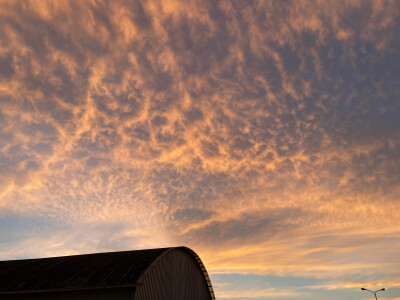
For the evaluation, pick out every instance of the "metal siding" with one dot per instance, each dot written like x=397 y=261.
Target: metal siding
x=100 y=294
x=168 y=273
x=89 y=271
x=203 y=270
x=176 y=276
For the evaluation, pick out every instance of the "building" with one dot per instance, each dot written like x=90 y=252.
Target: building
x=160 y=274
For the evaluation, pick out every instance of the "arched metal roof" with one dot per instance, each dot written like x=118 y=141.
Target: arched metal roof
x=84 y=272
x=203 y=270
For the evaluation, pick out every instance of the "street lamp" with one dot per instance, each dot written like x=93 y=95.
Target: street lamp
x=373 y=292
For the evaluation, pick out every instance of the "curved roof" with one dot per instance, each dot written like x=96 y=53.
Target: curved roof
x=88 y=271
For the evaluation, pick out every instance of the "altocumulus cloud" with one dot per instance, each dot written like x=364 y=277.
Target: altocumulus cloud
x=263 y=134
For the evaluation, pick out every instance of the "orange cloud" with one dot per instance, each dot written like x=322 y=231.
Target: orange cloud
x=264 y=135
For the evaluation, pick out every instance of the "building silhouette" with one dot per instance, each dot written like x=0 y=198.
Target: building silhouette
x=159 y=274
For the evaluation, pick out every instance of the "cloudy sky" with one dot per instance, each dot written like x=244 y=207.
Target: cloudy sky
x=265 y=135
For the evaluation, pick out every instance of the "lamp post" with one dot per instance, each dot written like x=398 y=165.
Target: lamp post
x=376 y=298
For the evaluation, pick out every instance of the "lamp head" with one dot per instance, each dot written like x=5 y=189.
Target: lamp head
x=382 y=289
x=363 y=289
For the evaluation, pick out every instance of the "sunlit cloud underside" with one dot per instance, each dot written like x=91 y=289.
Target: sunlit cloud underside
x=265 y=135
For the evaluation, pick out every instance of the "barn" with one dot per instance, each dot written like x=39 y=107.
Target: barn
x=166 y=273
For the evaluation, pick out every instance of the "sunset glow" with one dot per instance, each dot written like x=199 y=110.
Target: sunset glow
x=264 y=135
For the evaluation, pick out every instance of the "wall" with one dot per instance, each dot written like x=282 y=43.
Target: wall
x=177 y=276
x=100 y=294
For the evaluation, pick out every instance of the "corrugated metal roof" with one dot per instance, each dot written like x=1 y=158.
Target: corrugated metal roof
x=89 y=271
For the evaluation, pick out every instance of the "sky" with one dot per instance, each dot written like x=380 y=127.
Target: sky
x=264 y=135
